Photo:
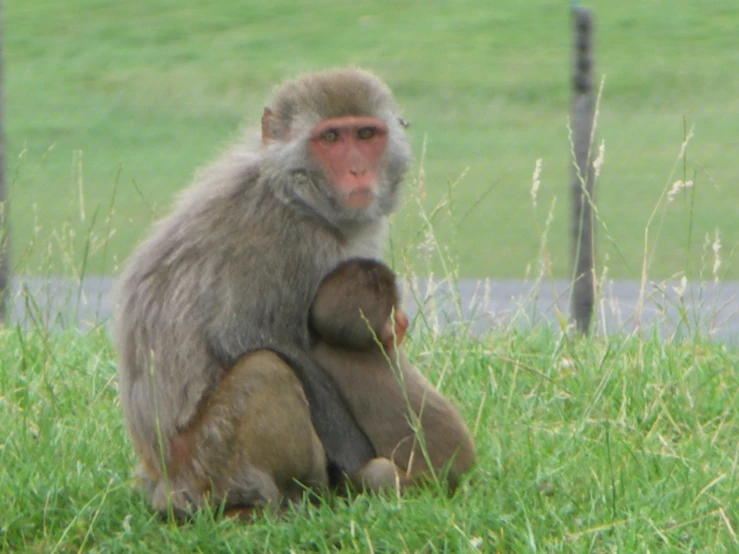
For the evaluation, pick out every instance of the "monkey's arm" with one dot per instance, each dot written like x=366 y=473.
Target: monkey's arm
x=345 y=443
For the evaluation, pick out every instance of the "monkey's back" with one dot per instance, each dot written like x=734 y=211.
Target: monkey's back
x=230 y=270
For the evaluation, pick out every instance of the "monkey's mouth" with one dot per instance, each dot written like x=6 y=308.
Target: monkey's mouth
x=359 y=198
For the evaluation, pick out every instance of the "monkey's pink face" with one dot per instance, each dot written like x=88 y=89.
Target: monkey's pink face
x=351 y=149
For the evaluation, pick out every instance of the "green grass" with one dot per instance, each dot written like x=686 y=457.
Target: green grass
x=611 y=445
x=149 y=91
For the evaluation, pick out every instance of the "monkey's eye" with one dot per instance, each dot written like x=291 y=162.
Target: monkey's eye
x=330 y=135
x=366 y=133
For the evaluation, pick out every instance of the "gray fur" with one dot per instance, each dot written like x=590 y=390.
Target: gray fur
x=235 y=265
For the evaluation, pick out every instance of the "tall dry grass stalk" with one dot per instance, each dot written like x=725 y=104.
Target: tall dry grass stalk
x=58 y=292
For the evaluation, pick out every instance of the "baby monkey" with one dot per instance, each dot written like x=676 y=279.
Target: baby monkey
x=357 y=327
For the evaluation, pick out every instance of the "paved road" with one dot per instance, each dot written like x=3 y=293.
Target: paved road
x=714 y=309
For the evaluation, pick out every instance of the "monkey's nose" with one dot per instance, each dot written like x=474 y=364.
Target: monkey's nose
x=357 y=172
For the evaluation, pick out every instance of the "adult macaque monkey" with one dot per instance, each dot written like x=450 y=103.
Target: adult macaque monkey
x=232 y=271
x=357 y=326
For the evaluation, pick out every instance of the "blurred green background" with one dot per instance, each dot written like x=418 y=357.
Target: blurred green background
x=118 y=103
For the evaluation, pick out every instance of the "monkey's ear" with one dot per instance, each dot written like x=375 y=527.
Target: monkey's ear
x=268 y=134
x=404 y=123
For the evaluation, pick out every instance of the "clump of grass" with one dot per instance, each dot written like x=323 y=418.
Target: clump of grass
x=59 y=291
x=622 y=444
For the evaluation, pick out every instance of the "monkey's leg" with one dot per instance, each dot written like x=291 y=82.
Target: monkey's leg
x=252 y=443
x=345 y=443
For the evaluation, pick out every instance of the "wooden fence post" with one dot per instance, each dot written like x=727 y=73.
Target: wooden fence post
x=583 y=245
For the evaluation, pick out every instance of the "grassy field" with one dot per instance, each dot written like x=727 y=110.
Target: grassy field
x=117 y=103
x=619 y=445
x=611 y=444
